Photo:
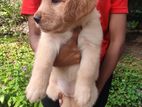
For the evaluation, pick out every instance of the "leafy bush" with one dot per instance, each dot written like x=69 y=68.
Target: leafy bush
x=16 y=62
x=135 y=14
x=10 y=17
x=127 y=84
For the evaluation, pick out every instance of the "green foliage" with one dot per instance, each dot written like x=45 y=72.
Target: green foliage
x=127 y=84
x=10 y=17
x=16 y=62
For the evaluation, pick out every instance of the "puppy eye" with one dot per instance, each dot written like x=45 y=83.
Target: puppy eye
x=56 y=1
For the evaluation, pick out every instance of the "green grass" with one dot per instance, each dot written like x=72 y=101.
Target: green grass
x=16 y=59
x=126 y=88
x=10 y=18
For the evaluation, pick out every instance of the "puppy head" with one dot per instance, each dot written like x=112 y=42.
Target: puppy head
x=58 y=15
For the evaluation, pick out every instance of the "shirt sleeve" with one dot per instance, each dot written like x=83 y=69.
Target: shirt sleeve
x=119 y=6
x=29 y=7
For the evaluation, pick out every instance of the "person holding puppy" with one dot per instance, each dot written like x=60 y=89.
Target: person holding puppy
x=113 y=20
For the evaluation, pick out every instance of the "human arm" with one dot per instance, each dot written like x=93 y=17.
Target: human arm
x=34 y=33
x=117 y=30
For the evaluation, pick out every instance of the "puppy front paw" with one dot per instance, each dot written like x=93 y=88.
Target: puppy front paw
x=36 y=89
x=82 y=95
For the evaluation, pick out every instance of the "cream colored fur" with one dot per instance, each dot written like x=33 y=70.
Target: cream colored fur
x=76 y=82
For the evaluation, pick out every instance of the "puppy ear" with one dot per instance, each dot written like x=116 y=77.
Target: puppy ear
x=76 y=9
x=70 y=9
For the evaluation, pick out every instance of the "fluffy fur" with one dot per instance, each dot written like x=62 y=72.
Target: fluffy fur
x=76 y=82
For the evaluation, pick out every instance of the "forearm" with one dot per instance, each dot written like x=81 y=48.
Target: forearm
x=117 y=30
x=34 y=33
x=34 y=39
x=112 y=56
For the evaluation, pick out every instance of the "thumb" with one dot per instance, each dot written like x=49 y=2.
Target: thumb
x=75 y=35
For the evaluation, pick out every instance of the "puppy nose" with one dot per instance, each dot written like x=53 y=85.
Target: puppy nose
x=37 y=19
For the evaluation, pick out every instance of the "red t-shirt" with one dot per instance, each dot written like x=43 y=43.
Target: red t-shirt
x=105 y=7
x=29 y=7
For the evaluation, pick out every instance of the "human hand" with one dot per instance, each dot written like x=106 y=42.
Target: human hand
x=69 y=53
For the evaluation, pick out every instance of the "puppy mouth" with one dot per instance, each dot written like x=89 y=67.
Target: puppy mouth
x=46 y=28
x=55 y=25
x=51 y=28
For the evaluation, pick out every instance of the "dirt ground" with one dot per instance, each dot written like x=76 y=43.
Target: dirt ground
x=134 y=44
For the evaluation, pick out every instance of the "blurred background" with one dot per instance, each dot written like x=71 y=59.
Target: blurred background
x=16 y=59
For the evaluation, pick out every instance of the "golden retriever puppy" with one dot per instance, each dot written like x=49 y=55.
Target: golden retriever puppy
x=57 y=19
